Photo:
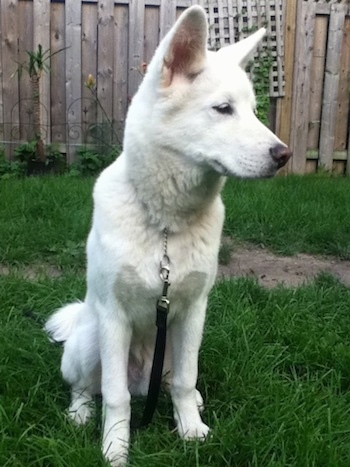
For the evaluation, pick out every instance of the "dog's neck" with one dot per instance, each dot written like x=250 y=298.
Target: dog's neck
x=173 y=192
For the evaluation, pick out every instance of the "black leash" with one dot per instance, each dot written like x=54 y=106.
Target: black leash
x=158 y=358
x=163 y=305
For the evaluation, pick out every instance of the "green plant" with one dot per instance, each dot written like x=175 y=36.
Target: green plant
x=28 y=156
x=26 y=152
x=260 y=77
x=89 y=162
x=10 y=169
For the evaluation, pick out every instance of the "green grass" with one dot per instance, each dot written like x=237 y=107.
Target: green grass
x=45 y=219
x=290 y=215
x=274 y=365
x=49 y=218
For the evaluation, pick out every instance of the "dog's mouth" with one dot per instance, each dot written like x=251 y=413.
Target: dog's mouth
x=225 y=172
x=220 y=168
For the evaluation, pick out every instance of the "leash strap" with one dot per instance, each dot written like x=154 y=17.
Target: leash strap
x=158 y=358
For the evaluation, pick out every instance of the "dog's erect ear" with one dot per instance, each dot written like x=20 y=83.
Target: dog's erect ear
x=241 y=52
x=186 y=53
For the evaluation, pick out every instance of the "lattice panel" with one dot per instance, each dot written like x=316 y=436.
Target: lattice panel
x=232 y=20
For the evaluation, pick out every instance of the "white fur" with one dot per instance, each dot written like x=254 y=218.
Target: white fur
x=177 y=147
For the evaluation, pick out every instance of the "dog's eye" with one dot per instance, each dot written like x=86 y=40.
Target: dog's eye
x=225 y=109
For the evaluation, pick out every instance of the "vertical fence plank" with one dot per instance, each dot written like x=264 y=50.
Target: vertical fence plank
x=73 y=76
x=136 y=41
x=58 y=79
x=1 y=76
x=25 y=43
x=89 y=67
x=105 y=57
x=121 y=66
x=152 y=30
x=342 y=121
x=301 y=83
x=331 y=85
x=284 y=105
x=317 y=78
x=10 y=88
x=167 y=15
x=41 y=30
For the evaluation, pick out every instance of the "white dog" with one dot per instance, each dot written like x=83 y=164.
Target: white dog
x=191 y=123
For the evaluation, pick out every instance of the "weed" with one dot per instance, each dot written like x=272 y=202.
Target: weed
x=90 y=162
x=27 y=155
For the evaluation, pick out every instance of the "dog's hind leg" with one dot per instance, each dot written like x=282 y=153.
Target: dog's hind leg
x=76 y=325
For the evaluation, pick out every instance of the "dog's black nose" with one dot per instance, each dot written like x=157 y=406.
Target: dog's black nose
x=280 y=154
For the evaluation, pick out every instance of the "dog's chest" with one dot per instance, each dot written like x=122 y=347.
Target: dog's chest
x=138 y=295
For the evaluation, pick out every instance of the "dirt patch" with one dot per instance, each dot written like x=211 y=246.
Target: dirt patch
x=271 y=270
x=31 y=272
x=246 y=261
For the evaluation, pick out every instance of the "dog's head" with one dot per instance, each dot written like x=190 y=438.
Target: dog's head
x=201 y=105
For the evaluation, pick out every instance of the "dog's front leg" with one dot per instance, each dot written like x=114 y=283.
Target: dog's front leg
x=186 y=337
x=115 y=337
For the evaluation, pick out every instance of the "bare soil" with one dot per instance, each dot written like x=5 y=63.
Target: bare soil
x=271 y=270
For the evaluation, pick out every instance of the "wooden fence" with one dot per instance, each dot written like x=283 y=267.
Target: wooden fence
x=113 y=40
x=314 y=114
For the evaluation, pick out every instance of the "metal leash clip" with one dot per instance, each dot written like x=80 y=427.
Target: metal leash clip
x=164 y=268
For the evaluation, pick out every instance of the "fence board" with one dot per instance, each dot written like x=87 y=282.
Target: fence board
x=317 y=77
x=89 y=67
x=301 y=87
x=57 y=74
x=342 y=120
x=105 y=56
x=136 y=34
x=121 y=66
x=284 y=106
x=73 y=75
x=331 y=85
x=1 y=93
x=25 y=42
x=152 y=31
x=9 y=27
x=41 y=30
x=167 y=16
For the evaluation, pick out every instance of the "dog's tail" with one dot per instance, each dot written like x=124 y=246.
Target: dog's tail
x=61 y=324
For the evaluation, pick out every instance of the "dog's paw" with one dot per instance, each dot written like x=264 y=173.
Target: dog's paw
x=80 y=413
x=116 y=453
x=198 y=431
x=199 y=401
